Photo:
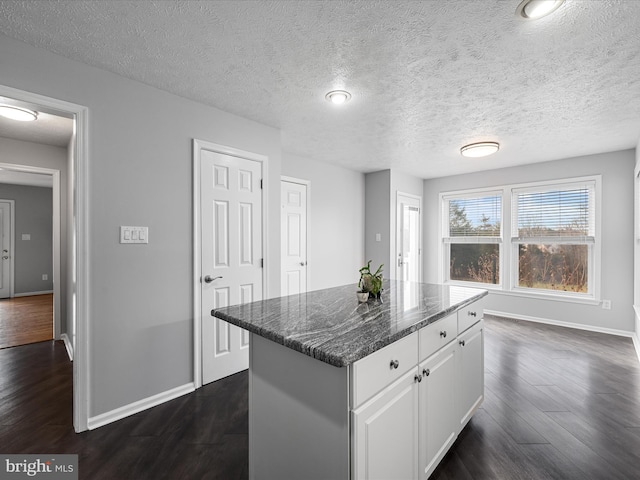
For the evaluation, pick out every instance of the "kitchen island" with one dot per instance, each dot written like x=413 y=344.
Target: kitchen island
x=341 y=390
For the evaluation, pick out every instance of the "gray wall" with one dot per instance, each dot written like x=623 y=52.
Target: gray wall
x=140 y=173
x=378 y=219
x=46 y=156
x=616 y=169
x=336 y=220
x=33 y=257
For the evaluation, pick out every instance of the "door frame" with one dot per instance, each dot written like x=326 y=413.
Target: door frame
x=78 y=244
x=56 y=196
x=198 y=146
x=12 y=221
x=398 y=233
x=307 y=184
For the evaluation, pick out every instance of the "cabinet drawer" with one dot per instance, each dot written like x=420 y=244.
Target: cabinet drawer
x=375 y=372
x=469 y=315
x=436 y=335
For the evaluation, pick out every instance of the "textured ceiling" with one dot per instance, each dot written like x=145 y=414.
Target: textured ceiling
x=47 y=129
x=426 y=76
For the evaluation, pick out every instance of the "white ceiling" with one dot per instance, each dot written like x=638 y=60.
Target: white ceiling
x=426 y=76
x=47 y=129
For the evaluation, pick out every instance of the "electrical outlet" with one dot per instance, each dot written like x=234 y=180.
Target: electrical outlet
x=45 y=276
x=606 y=304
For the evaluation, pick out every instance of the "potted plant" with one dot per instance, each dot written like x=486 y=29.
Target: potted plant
x=370 y=283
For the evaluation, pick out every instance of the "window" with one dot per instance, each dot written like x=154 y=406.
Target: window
x=473 y=236
x=553 y=233
x=527 y=239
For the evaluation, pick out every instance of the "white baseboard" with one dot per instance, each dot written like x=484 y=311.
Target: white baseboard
x=68 y=345
x=31 y=294
x=579 y=326
x=139 y=406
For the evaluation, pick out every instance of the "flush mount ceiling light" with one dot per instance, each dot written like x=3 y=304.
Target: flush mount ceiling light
x=534 y=9
x=338 y=97
x=480 y=149
x=18 y=113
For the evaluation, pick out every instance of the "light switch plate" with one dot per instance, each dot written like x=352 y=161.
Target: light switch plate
x=134 y=234
x=26 y=236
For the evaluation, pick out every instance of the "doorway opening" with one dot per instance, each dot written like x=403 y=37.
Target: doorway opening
x=32 y=274
x=69 y=219
x=409 y=238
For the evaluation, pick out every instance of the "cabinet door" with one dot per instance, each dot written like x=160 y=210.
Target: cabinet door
x=438 y=421
x=385 y=442
x=470 y=372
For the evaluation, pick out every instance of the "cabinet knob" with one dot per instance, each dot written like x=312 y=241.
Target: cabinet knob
x=394 y=364
x=443 y=334
x=471 y=314
x=426 y=372
x=461 y=342
x=417 y=379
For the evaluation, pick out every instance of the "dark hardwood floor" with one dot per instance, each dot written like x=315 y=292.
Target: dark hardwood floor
x=560 y=404
x=26 y=320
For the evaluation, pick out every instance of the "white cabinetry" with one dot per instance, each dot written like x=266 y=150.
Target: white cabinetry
x=386 y=433
x=438 y=421
x=470 y=373
x=402 y=429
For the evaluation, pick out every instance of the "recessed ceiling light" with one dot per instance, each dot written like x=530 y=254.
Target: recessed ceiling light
x=533 y=9
x=18 y=113
x=338 y=97
x=480 y=149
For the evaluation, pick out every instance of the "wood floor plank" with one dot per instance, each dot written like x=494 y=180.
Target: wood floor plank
x=25 y=320
x=559 y=403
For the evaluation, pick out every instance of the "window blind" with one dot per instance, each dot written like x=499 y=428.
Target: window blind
x=475 y=216
x=565 y=213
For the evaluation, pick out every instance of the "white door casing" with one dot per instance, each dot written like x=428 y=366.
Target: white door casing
x=6 y=248
x=293 y=224
x=78 y=245
x=409 y=238
x=231 y=255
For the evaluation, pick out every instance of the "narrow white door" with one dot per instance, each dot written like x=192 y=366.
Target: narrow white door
x=293 y=222
x=409 y=251
x=231 y=219
x=5 y=247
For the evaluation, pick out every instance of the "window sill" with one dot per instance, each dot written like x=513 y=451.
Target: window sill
x=497 y=289
x=552 y=297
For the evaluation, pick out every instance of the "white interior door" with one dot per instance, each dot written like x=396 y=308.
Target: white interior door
x=293 y=224
x=409 y=250
x=5 y=247
x=231 y=261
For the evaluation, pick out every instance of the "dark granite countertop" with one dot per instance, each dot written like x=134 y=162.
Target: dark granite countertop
x=333 y=327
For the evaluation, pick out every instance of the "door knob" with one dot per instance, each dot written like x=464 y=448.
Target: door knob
x=302 y=264
x=209 y=278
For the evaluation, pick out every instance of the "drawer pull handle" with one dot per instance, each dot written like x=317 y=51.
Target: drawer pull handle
x=461 y=342
x=471 y=314
x=394 y=364
x=426 y=372
x=417 y=378
x=443 y=334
